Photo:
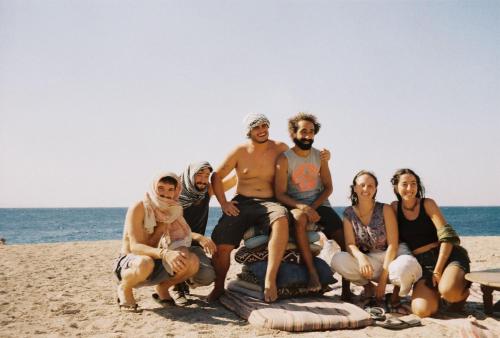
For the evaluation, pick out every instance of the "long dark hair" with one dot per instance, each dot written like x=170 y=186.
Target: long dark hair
x=397 y=176
x=354 y=197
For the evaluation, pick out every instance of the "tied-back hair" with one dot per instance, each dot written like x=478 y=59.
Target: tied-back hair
x=406 y=171
x=293 y=122
x=354 y=197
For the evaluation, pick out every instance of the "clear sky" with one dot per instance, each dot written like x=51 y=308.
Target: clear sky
x=97 y=96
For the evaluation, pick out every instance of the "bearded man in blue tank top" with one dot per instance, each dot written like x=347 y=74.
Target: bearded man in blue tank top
x=303 y=183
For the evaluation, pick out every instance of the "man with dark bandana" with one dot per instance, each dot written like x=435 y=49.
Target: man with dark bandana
x=194 y=199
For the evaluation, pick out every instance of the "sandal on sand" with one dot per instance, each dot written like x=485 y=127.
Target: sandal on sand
x=399 y=307
x=399 y=323
x=376 y=313
x=127 y=307
x=162 y=302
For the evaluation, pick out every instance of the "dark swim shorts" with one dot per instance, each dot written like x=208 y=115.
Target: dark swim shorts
x=253 y=212
x=329 y=221
x=428 y=260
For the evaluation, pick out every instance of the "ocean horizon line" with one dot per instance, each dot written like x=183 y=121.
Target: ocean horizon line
x=214 y=206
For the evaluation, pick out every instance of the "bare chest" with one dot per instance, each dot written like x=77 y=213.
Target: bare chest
x=257 y=165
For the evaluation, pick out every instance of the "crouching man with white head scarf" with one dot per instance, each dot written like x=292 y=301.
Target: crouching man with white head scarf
x=155 y=244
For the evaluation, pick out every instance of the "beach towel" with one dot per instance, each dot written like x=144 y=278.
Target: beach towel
x=297 y=314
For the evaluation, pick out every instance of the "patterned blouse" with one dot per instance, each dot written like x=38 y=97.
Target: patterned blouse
x=372 y=236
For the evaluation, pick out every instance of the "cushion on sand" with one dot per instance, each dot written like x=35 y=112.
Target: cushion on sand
x=297 y=314
x=256 y=291
x=245 y=255
x=256 y=241
x=256 y=230
x=293 y=275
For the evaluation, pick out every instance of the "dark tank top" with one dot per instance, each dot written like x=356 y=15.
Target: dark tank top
x=196 y=215
x=419 y=232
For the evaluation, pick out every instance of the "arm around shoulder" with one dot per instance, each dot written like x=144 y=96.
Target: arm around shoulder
x=281 y=178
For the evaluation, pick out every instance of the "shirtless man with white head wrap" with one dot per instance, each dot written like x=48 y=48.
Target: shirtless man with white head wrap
x=155 y=246
x=253 y=204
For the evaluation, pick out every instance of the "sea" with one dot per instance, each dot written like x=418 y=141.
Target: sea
x=52 y=225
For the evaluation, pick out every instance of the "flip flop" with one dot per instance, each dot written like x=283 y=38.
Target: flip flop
x=399 y=307
x=127 y=307
x=392 y=323
x=376 y=313
x=162 y=302
x=133 y=308
x=399 y=323
x=411 y=320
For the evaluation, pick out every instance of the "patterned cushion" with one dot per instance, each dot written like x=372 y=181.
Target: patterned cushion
x=292 y=275
x=247 y=256
x=259 y=240
x=257 y=231
x=256 y=291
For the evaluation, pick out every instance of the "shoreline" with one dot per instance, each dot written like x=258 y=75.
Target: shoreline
x=119 y=240
x=67 y=289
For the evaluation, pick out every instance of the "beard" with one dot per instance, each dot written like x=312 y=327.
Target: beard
x=302 y=144
x=201 y=186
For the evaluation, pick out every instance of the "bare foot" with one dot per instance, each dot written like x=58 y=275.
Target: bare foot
x=215 y=294
x=270 y=293
x=314 y=284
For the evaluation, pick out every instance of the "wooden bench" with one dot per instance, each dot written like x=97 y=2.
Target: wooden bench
x=489 y=281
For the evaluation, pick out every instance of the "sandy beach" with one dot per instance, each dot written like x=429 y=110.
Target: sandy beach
x=67 y=289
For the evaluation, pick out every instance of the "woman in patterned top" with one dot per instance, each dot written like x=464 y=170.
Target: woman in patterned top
x=371 y=237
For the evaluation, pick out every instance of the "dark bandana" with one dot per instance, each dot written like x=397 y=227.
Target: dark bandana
x=190 y=194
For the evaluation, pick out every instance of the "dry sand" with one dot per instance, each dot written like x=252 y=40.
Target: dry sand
x=67 y=289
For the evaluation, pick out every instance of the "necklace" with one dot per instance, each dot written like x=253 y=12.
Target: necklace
x=367 y=213
x=411 y=208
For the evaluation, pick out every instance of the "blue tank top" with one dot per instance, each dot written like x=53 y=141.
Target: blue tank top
x=304 y=180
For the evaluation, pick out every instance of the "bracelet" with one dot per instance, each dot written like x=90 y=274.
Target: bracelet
x=437 y=273
x=162 y=252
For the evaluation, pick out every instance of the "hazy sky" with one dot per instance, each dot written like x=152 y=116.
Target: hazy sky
x=97 y=96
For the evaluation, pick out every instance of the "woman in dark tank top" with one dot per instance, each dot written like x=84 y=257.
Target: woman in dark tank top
x=444 y=264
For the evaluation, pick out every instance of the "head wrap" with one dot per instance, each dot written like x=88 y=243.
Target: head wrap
x=252 y=120
x=159 y=209
x=190 y=194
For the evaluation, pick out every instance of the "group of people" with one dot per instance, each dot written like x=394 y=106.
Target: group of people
x=407 y=243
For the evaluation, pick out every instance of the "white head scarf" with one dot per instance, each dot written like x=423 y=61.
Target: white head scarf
x=252 y=120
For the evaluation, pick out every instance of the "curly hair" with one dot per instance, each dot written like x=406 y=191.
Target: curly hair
x=293 y=122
